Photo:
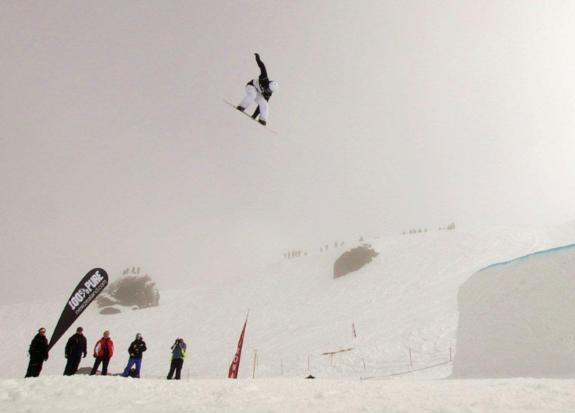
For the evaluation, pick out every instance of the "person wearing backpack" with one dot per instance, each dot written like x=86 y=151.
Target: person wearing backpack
x=178 y=356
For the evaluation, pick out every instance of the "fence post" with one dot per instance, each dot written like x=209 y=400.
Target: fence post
x=364 y=366
x=450 y=359
x=255 y=360
x=410 y=359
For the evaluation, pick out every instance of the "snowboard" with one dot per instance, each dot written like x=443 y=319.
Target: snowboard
x=254 y=120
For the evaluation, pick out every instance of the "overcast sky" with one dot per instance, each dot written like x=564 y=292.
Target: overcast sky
x=116 y=148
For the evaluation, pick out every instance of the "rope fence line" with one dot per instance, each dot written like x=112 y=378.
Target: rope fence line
x=390 y=368
x=402 y=373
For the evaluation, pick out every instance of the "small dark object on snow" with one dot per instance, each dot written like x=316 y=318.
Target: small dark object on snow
x=310 y=377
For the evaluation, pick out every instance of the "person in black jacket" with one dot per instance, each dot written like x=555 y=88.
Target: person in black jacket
x=260 y=91
x=136 y=349
x=38 y=353
x=76 y=348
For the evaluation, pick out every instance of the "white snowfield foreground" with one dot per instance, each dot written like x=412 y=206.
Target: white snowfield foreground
x=119 y=395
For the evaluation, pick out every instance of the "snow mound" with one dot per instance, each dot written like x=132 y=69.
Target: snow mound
x=516 y=318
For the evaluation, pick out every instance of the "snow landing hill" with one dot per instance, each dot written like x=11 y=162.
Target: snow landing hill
x=404 y=300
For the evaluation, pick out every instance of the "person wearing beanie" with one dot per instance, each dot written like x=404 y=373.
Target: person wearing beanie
x=38 y=352
x=178 y=356
x=76 y=348
x=135 y=350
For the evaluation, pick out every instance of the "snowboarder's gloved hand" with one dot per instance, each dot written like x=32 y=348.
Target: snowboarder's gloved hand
x=257 y=55
x=84 y=355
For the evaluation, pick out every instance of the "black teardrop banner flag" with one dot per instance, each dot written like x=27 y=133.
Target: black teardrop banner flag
x=91 y=285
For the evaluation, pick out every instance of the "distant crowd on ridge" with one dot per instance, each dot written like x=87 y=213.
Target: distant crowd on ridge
x=324 y=248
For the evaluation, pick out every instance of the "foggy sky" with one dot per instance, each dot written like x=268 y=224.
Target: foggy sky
x=116 y=148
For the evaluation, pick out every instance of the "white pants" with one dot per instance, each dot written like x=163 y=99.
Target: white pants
x=252 y=96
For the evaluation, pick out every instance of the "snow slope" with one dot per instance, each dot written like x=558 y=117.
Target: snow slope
x=405 y=299
x=516 y=318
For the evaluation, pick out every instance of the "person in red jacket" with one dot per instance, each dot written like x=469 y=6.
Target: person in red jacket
x=103 y=352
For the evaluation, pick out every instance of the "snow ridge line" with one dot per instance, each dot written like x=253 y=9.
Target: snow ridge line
x=551 y=250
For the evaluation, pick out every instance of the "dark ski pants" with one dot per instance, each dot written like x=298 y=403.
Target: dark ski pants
x=104 y=361
x=133 y=361
x=176 y=366
x=34 y=367
x=72 y=365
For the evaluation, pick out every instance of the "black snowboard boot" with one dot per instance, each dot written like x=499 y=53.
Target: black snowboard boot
x=263 y=122
x=240 y=108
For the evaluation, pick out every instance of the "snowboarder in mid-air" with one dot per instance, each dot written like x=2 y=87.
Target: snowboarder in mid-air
x=259 y=91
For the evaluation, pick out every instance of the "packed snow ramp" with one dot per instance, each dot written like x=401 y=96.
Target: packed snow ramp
x=517 y=318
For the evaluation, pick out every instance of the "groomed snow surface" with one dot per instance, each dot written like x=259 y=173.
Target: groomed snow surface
x=404 y=301
x=517 y=318
x=114 y=394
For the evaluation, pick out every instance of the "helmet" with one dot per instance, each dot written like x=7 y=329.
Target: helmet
x=274 y=86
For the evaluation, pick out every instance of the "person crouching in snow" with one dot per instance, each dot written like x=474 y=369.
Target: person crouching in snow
x=136 y=349
x=103 y=351
x=259 y=91
x=178 y=356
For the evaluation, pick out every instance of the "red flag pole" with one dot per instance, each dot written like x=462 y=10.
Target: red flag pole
x=235 y=366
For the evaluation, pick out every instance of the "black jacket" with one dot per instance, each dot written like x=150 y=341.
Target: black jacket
x=263 y=79
x=76 y=346
x=137 y=348
x=39 y=347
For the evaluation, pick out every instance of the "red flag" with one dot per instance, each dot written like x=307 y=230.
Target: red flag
x=235 y=366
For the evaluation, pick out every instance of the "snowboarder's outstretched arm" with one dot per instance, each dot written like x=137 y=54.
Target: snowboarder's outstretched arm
x=264 y=73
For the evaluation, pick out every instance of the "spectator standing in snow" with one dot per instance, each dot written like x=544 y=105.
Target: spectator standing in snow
x=178 y=356
x=76 y=348
x=38 y=352
x=103 y=351
x=136 y=349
